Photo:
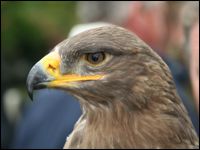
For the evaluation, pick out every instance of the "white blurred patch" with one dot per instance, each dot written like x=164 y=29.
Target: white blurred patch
x=12 y=101
x=84 y=27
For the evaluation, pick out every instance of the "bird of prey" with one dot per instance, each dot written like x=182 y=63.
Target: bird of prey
x=126 y=91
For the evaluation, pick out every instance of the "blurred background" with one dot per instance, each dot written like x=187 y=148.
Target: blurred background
x=29 y=30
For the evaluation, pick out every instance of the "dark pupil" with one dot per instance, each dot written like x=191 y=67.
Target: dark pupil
x=95 y=57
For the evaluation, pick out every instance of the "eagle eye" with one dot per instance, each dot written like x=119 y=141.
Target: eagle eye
x=95 y=58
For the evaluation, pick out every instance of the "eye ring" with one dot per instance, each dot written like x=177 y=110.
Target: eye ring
x=95 y=58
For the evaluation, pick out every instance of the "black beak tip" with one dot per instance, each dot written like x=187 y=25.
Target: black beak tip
x=30 y=94
x=30 y=89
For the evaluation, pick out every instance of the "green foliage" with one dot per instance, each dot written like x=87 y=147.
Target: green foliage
x=29 y=30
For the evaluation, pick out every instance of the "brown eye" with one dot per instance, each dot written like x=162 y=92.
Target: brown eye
x=95 y=58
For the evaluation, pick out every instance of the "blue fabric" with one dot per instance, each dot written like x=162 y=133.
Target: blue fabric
x=181 y=79
x=47 y=121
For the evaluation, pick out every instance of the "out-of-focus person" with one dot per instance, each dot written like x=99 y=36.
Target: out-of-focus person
x=190 y=21
x=194 y=62
x=147 y=20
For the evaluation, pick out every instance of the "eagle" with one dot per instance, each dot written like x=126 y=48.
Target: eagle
x=126 y=91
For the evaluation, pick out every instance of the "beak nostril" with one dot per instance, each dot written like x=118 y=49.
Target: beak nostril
x=51 y=67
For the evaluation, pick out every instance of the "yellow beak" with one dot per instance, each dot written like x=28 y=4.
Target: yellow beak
x=46 y=73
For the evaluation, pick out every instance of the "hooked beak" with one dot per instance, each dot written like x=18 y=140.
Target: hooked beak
x=46 y=74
